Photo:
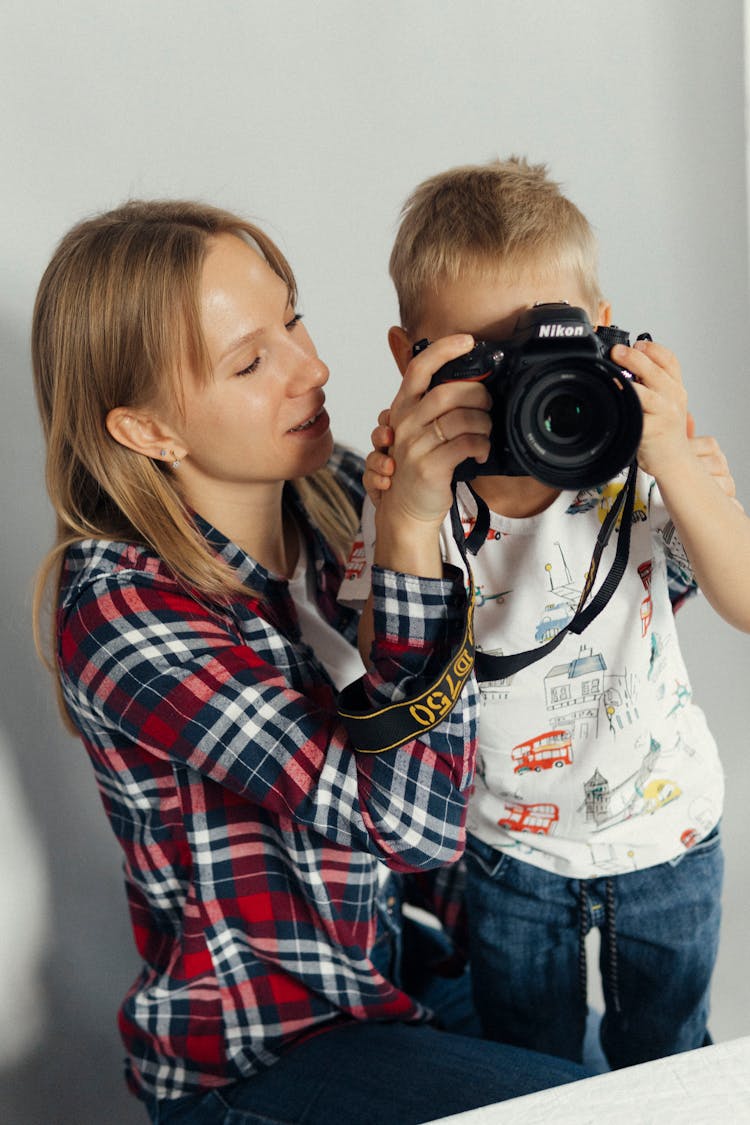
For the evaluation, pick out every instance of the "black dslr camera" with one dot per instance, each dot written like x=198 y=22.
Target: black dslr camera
x=562 y=411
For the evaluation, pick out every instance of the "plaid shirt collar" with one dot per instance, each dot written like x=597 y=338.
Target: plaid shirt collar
x=273 y=589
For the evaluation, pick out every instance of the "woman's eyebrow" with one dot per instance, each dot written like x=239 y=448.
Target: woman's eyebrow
x=240 y=342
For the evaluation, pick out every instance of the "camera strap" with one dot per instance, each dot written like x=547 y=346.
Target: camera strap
x=489 y=667
x=385 y=728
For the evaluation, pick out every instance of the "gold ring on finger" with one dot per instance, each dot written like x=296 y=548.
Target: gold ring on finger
x=436 y=426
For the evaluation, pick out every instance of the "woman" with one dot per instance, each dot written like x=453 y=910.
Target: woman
x=203 y=512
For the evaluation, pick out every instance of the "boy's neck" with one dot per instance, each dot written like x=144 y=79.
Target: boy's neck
x=515 y=497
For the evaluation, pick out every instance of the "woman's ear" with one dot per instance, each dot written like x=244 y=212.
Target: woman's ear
x=400 y=346
x=145 y=433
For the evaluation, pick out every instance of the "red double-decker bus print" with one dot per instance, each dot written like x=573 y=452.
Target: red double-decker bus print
x=553 y=748
x=540 y=818
x=356 y=562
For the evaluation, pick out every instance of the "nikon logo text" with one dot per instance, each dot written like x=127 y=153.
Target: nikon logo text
x=561 y=330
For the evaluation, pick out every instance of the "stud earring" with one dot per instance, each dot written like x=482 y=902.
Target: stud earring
x=176 y=462
x=162 y=453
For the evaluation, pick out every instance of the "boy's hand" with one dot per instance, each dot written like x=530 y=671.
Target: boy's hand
x=379 y=465
x=694 y=482
x=658 y=384
x=668 y=427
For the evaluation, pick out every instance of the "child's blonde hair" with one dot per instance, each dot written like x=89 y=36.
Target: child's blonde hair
x=117 y=309
x=473 y=219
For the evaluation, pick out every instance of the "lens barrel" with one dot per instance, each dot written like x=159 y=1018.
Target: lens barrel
x=573 y=425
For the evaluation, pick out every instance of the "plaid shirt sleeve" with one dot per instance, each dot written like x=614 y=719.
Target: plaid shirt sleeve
x=441 y=892
x=221 y=693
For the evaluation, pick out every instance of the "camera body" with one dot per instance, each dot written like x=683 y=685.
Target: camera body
x=562 y=412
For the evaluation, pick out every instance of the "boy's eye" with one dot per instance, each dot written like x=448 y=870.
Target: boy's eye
x=290 y=324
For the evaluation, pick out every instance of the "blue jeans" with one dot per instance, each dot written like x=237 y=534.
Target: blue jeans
x=383 y=1073
x=374 y=1074
x=658 y=951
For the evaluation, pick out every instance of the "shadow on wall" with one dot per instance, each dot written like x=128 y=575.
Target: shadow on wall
x=68 y=955
x=24 y=919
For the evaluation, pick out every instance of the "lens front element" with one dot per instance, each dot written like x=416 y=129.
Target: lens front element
x=565 y=417
x=575 y=427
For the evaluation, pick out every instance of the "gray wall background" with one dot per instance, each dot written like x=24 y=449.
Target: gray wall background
x=317 y=119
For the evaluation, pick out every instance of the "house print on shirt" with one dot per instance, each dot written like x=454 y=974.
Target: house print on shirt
x=596 y=800
x=576 y=689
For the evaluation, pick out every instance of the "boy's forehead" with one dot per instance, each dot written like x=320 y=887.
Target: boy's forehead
x=486 y=303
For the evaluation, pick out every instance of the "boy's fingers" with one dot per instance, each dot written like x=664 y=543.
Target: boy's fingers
x=380 y=463
x=376 y=483
x=646 y=359
x=382 y=438
x=660 y=355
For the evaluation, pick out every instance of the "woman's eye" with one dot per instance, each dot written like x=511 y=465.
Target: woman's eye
x=251 y=367
x=290 y=325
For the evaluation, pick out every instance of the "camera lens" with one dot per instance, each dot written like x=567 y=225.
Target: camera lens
x=575 y=426
x=565 y=417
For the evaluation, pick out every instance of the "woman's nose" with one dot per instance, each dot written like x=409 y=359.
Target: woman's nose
x=307 y=372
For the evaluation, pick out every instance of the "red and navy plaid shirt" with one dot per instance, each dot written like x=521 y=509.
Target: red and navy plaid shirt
x=253 y=832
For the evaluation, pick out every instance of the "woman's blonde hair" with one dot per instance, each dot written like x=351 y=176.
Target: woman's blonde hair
x=116 y=309
x=473 y=219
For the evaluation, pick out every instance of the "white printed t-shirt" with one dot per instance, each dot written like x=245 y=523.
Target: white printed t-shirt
x=594 y=760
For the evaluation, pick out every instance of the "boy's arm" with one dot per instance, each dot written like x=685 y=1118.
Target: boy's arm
x=711 y=524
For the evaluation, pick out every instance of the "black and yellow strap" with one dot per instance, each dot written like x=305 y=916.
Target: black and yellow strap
x=374 y=731
x=385 y=728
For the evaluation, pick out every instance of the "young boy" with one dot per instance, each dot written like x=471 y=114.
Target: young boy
x=599 y=789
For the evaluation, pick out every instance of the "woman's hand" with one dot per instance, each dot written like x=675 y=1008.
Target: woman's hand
x=711 y=456
x=431 y=434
